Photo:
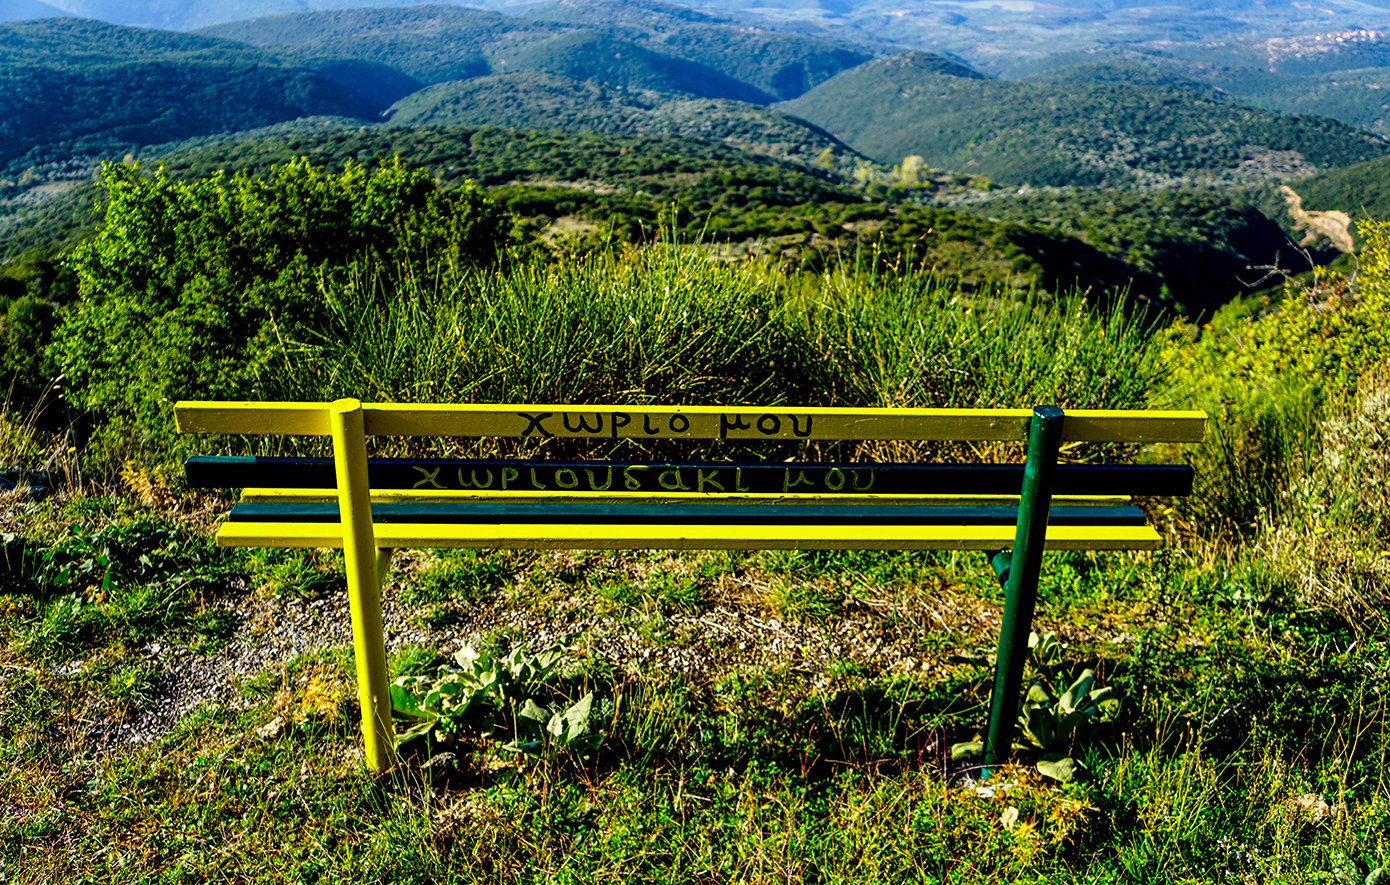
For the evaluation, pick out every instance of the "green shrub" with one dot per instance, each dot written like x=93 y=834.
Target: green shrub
x=197 y=289
x=1269 y=378
x=1323 y=337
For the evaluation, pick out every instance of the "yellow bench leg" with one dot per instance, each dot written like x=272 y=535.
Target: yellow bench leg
x=365 y=566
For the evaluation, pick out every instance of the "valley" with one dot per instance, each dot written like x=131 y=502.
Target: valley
x=798 y=146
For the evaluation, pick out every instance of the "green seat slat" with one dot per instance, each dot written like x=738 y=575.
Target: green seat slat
x=817 y=478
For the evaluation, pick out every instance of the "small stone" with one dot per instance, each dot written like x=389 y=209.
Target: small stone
x=271 y=729
x=1315 y=807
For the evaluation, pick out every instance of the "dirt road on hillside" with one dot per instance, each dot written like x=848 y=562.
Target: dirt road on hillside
x=1336 y=226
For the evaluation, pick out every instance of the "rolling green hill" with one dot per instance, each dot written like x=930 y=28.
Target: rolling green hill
x=186 y=15
x=783 y=65
x=447 y=24
x=1187 y=249
x=132 y=87
x=1344 y=76
x=1093 y=71
x=430 y=44
x=592 y=56
x=533 y=100
x=1070 y=128
x=651 y=170
x=1348 y=81
x=1360 y=191
x=1202 y=246
x=640 y=45
x=630 y=16
x=491 y=155
x=78 y=87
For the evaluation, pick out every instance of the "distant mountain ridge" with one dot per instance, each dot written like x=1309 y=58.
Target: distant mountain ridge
x=187 y=15
x=1343 y=75
x=75 y=86
x=136 y=87
x=1070 y=128
x=594 y=56
x=642 y=45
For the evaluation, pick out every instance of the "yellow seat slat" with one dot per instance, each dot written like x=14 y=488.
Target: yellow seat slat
x=572 y=536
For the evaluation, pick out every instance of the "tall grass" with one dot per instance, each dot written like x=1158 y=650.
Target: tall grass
x=1328 y=535
x=654 y=324
x=667 y=323
x=917 y=341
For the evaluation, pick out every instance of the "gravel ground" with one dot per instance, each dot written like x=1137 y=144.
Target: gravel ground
x=729 y=629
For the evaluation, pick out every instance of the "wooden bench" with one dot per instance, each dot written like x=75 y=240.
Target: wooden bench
x=369 y=507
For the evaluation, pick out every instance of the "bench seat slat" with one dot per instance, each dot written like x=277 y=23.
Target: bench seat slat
x=569 y=477
x=253 y=494
x=683 y=512
x=574 y=536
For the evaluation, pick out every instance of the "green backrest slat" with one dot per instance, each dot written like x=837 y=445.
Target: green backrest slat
x=693 y=476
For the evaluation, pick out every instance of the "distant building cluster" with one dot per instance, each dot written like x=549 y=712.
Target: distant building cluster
x=1279 y=48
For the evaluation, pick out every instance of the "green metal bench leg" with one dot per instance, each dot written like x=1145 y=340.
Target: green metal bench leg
x=1021 y=579
x=365 y=566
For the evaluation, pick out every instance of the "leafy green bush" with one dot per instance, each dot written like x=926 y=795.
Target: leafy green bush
x=1268 y=378
x=197 y=289
x=1323 y=337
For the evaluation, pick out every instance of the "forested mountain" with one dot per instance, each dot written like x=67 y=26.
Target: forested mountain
x=1344 y=75
x=699 y=174
x=490 y=155
x=535 y=100
x=1203 y=246
x=780 y=63
x=79 y=87
x=590 y=55
x=1360 y=191
x=1070 y=127
x=183 y=15
x=83 y=89
x=431 y=44
x=633 y=45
